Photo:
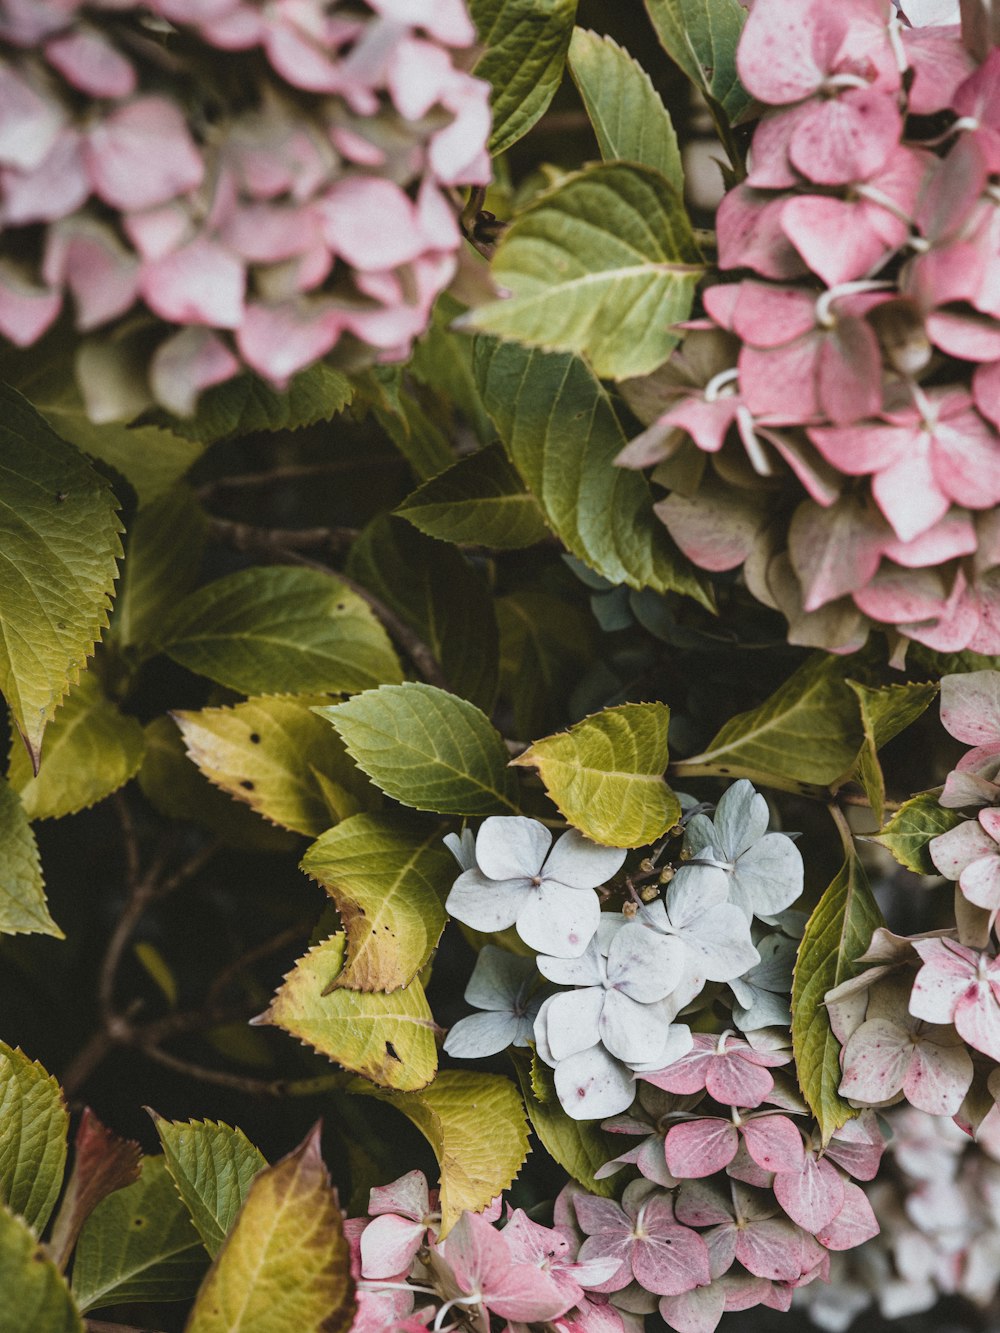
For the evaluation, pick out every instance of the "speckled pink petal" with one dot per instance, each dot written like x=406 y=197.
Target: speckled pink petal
x=774 y=1142
x=142 y=155
x=853 y=1225
x=699 y=1148
x=787 y=48
x=847 y=138
x=948 y=971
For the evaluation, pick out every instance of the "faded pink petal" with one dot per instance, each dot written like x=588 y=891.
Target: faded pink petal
x=99 y=272
x=695 y=1311
x=698 y=1148
x=986 y=391
x=774 y=1142
x=192 y=360
x=749 y=232
x=53 y=189
x=716 y=528
x=480 y=1260
x=668 y=1259
x=836 y=550
x=389 y=1245
x=853 y=1225
x=142 y=155
x=812 y=1197
x=26 y=311
x=87 y=60
x=949 y=970
x=940 y=64
x=202 y=283
x=371 y=223
x=278 y=341
x=850 y=372
x=847 y=138
x=29 y=122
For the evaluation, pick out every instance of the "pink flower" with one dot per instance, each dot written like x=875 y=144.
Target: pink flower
x=728 y=1069
x=401 y=1215
x=959 y=985
x=487 y=1277
x=700 y=1147
x=644 y=1239
x=928 y=1065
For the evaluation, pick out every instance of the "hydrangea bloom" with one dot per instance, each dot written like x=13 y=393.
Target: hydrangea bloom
x=295 y=202
x=501 y=985
x=852 y=489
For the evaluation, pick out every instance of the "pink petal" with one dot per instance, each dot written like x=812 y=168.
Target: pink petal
x=858 y=1146
x=718 y=527
x=786 y=49
x=853 y=1225
x=371 y=223
x=938 y=1078
x=774 y=1142
x=142 y=155
x=876 y=1060
x=767 y=316
x=970 y=707
x=695 y=1311
x=101 y=274
x=847 y=138
x=699 y=1148
x=948 y=970
x=782 y=381
x=29 y=122
x=182 y=366
x=953 y=536
x=837 y=550
x=749 y=232
x=977 y=1019
x=811 y=1197
x=826 y=233
x=940 y=63
x=202 y=283
x=771 y=1248
x=672 y=1261
x=909 y=495
x=26 y=311
x=966 y=458
x=278 y=341
x=54 y=189
x=986 y=391
x=91 y=63
x=850 y=372
x=734 y=1081
x=389 y=1245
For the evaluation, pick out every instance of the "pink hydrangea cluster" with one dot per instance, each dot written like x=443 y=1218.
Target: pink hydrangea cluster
x=213 y=185
x=938 y=1202
x=831 y=423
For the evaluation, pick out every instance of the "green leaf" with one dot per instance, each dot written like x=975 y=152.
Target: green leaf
x=34 y=1124
x=836 y=935
x=526 y=43
x=804 y=737
x=603 y=265
x=605 y=774
x=59 y=535
x=285 y=1267
x=280 y=758
x=630 y=121
x=434 y=589
x=396 y=404
x=545 y=644
x=885 y=712
x=580 y=1147
x=163 y=551
x=213 y=1168
x=480 y=500
x=427 y=749
x=23 y=910
x=178 y=790
x=138 y=1245
x=476 y=1125
x=280 y=630
x=90 y=750
x=389 y=881
x=35 y=1296
x=557 y=423
x=912 y=827
x=245 y=405
x=442 y=360
x=387 y=1038
x=701 y=37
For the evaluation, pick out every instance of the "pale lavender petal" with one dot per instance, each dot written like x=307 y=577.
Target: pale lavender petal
x=593 y=1085
x=559 y=920
x=510 y=846
x=486 y=904
x=580 y=863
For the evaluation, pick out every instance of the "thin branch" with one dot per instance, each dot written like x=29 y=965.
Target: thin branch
x=843 y=828
x=260 y=951
x=855 y=798
x=253 y=1087
x=257 y=540
x=102 y=1326
x=275 y=476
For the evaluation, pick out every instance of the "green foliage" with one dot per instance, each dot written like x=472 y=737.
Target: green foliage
x=90 y=750
x=278 y=757
x=545 y=642
x=138 y=1245
x=885 y=712
x=803 y=738
x=603 y=265
x=23 y=909
x=388 y=880
x=33 y=1128
x=427 y=749
x=557 y=423
x=701 y=36
x=526 y=43
x=630 y=121
x=246 y=404
x=59 y=535
x=34 y=1293
x=481 y=501
x=406 y=420
x=280 y=630
x=163 y=553
x=836 y=935
x=387 y=1038
x=579 y=1146
x=434 y=590
x=606 y=774
x=213 y=1167
x=452 y=1114
x=912 y=827
x=285 y=1265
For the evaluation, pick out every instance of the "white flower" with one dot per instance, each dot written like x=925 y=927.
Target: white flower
x=500 y=984
x=715 y=932
x=763 y=870
x=547 y=894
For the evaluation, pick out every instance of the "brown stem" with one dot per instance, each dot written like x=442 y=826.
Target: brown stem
x=853 y=798
x=263 y=950
x=248 y=538
x=843 y=828
x=253 y=1087
x=275 y=476
x=102 y=1326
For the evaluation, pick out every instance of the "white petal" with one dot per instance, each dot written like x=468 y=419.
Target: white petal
x=677 y=1041
x=593 y=1085
x=541 y=1033
x=694 y=889
x=479 y=1035
x=486 y=904
x=571 y=1020
x=629 y=1030
x=740 y=819
x=580 y=863
x=721 y=939
x=699 y=834
x=558 y=920
x=498 y=979
x=767 y=878
x=463 y=848
x=587 y=970
x=509 y=846
x=643 y=965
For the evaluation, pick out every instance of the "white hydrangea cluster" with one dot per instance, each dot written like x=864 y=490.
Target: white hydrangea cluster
x=623 y=978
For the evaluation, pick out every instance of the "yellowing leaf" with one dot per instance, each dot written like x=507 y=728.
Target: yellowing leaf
x=285 y=1267
x=427 y=748
x=604 y=265
x=606 y=774
x=35 y=1297
x=280 y=758
x=23 y=910
x=90 y=750
x=387 y=1038
x=280 y=630
x=33 y=1128
x=836 y=935
x=59 y=537
x=388 y=881
x=213 y=1168
x=579 y=1146
x=476 y=1125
